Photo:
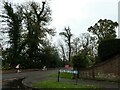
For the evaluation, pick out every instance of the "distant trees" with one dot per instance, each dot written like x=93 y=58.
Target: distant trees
x=76 y=46
x=86 y=51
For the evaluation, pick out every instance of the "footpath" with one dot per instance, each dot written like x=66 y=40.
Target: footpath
x=39 y=75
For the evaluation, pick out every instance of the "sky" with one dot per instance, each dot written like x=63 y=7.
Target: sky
x=79 y=15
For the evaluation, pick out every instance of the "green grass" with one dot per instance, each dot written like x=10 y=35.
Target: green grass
x=63 y=75
x=70 y=76
x=61 y=84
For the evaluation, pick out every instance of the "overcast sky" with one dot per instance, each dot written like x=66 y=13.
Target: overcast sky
x=80 y=14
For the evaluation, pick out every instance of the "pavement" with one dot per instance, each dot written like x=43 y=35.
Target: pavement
x=39 y=75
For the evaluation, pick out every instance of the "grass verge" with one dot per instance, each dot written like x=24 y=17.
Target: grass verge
x=70 y=76
x=61 y=84
x=63 y=75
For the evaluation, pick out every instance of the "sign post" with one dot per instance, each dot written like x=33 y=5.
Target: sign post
x=76 y=77
x=68 y=71
x=58 y=75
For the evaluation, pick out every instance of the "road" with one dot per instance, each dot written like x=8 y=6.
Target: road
x=30 y=77
x=34 y=76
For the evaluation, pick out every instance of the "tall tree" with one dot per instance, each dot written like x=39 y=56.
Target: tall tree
x=27 y=30
x=36 y=21
x=13 y=22
x=104 y=29
x=67 y=34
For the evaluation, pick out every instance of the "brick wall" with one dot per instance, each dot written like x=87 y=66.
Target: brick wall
x=109 y=69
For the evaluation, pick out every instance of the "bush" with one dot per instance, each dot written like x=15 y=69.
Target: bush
x=6 y=66
x=80 y=61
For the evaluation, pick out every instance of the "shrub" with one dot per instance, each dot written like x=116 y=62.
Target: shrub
x=80 y=61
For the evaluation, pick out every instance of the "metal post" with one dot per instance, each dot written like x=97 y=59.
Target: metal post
x=58 y=75
x=76 y=77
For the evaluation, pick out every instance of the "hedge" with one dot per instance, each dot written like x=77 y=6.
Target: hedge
x=108 y=49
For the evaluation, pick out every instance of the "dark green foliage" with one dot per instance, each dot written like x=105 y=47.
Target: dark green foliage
x=80 y=61
x=104 y=29
x=27 y=30
x=50 y=56
x=108 y=49
x=36 y=20
x=14 y=23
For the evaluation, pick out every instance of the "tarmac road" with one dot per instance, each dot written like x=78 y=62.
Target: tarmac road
x=34 y=76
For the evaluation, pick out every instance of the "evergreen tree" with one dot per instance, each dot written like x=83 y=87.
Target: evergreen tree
x=13 y=22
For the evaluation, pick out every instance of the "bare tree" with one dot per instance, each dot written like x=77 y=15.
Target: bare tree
x=76 y=45
x=67 y=35
x=63 y=53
